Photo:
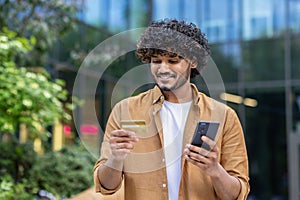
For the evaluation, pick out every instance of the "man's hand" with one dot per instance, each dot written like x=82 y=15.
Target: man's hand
x=122 y=143
x=206 y=160
x=225 y=185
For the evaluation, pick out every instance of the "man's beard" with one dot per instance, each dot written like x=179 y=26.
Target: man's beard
x=174 y=87
x=180 y=82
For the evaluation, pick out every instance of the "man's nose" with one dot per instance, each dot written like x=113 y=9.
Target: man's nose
x=164 y=67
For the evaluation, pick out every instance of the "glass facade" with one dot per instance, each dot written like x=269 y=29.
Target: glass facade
x=256 y=46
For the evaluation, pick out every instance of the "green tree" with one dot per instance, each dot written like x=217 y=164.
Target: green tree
x=31 y=98
x=45 y=20
x=64 y=173
x=24 y=174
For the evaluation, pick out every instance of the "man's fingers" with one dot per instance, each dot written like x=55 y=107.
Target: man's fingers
x=208 y=141
x=122 y=146
x=197 y=157
x=120 y=140
x=197 y=150
x=123 y=136
x=122 y=133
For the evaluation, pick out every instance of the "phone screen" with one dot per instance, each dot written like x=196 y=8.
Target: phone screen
x=209 y=129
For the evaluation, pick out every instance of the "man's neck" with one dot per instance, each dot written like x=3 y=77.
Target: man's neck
x=181 y=95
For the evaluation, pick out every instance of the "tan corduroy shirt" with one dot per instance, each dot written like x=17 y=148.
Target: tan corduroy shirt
x=144 y=169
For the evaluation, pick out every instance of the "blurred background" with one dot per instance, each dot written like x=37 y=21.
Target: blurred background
x=255 y=45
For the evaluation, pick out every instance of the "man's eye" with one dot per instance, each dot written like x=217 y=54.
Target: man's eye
x=156 y=61
x=173 y=61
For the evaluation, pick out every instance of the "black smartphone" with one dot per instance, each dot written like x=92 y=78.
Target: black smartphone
x=209 y=129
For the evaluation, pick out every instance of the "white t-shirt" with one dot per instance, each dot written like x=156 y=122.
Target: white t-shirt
x=173 y=117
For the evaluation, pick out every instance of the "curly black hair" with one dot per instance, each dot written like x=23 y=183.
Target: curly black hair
x=174 y=37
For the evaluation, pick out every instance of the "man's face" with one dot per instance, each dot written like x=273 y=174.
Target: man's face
x=170 y=73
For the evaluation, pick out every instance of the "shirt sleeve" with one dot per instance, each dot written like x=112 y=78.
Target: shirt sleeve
x=99 y=187
x=234 y=157
x=105 y=153
x=244 y=189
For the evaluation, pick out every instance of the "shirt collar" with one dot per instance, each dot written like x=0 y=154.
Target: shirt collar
x=157 y=95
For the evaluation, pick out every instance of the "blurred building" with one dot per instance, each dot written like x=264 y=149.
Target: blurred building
x=256 y=46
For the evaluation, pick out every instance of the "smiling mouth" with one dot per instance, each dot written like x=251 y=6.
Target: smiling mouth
x=165 y=76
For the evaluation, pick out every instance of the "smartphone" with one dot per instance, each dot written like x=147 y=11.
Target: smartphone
x=137 y=126
x=209 y=129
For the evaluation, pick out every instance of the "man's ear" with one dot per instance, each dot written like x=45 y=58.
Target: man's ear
x=193 y=64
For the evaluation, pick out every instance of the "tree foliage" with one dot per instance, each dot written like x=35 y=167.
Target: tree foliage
x=66 y=172
x=46 y=20
x=27 y=97
x=60 y=174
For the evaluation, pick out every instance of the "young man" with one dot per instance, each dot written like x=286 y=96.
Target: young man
x=163 y=164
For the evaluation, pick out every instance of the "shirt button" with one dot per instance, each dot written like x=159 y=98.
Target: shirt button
x=163 y=160
x=164 y=185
